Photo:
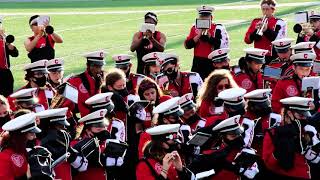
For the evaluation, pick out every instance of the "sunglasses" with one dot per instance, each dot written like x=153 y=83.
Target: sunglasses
x=223 y=86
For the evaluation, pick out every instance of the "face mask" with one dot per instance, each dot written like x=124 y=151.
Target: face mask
x=31 y=143
x=171 y=73
x=154 y=75
x=102 y=135
x=4 y=119
x=237 y=143
x=40 y=81
x=123 y=92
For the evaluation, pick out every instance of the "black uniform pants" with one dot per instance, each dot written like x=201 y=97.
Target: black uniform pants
x=6 y=82
x=203 y=66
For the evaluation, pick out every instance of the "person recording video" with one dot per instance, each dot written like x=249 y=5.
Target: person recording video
x=41 y=44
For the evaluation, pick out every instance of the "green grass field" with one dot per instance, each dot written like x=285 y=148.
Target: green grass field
x=113 y=31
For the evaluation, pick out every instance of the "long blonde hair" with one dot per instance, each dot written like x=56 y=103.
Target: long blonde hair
x=208 y=91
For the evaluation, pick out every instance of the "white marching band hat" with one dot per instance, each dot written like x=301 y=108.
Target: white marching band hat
x=186 y=101
x=101 y=101
x=95 y=118
x=227 y=125
x=282 y=45
x=163 y=129
x=303 y=47
x=96 y=57
x=24 y=95
x=303 y=59
x=219 y=55
x=58 y=115
x=205 y=10
x=168 y=58
x=40 y=65
x=256 y=54
x=55 y=64
x=258 y=95
x=232 y=96
x=122 y=59
x=24 y=123
x=152 y=58
x=297 y=103
x=169 y=107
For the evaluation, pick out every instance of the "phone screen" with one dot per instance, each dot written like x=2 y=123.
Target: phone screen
x=272 y=72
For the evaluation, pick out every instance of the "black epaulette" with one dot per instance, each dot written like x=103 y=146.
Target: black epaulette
x=275 y=61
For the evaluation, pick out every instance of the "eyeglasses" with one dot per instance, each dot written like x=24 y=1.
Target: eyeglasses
x=223 y=86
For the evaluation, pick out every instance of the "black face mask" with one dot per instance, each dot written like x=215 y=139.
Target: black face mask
x=171 y=73
x=236 y=143
x=123 y=92
x=40 y=81
x=103 y=135
x=31 y=144
x=193 y=119
x=4 y=119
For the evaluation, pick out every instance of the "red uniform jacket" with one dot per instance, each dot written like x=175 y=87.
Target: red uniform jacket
x=174 y=89
x=248 y=82
x=207 y=111
x=43 y=95
x=84 y=93
x=264 y=42
x=133 y=82
x=12 y=165
x=286 y=87
x=143 y=172
x=300 y=169
x=63 y=171
x=144 y=139
x=203 y=49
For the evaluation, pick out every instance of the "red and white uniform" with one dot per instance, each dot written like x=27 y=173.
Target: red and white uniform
x=175 y=89
x=300 y=169
x=143 y=171
x=246 y=81
x=203 y=49
x=12 y=165
x=264 y=42
x=208 y=111
x=134 y=80
x=84 y=93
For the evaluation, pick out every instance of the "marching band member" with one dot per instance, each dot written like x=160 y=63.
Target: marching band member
x=5 y=111
x=152 y=64
x=209 y=106
x=263 y=31
x=220 y=58
x=283 y=62
x=36 y=75
x=13 y=155
x=203 y=41
x=283 y=146
x=89 y=82
x=291 y=85
x=56 y=71
x=190 y=115
x=26 y=99
x=314 y=34
x=176 y=82
x=123 y=62
x=162 y=161
x=232 y=160
x=248 y=75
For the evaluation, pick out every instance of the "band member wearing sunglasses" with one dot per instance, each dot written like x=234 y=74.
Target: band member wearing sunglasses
x=123 y=62
x=210 y=107
x=161 y=159
x=41 y=44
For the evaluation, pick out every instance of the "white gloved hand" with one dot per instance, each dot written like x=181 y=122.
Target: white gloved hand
x=141 y=114
x=251 y=172
x=81 y=164
x=112 y=161
x=311 y=155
